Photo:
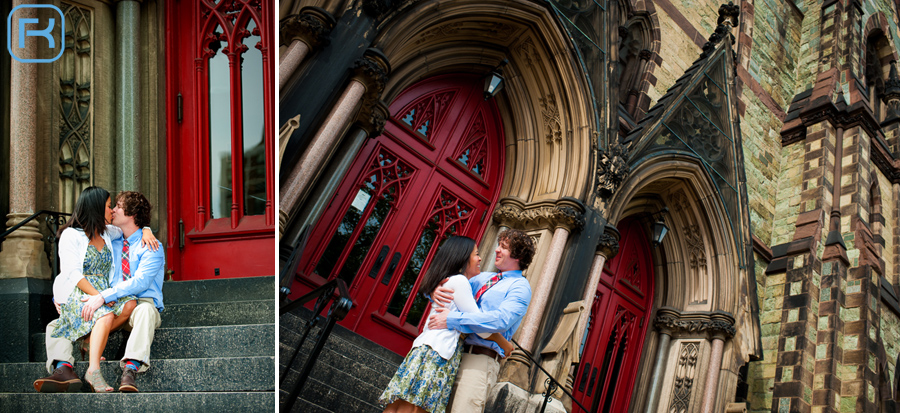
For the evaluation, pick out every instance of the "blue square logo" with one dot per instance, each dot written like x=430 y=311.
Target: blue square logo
x=27 y=26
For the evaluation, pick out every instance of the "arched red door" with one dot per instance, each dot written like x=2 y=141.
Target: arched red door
x=434 y=172
x=620 y=315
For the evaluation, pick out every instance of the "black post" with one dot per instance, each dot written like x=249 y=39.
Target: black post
x=551 y=387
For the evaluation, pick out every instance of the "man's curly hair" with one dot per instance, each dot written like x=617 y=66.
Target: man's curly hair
x=520 y=246
x=135 y=205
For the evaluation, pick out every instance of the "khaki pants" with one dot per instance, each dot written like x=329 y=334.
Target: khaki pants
x=476 y=376
x=143 y=323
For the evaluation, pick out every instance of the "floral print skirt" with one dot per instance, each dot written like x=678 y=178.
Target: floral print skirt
x=424 y=379
x=71 y=325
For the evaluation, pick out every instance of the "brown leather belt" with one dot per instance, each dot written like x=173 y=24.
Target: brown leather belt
x=468 y=348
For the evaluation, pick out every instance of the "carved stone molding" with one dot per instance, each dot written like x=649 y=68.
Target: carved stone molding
x=372 y=117
x=529 y=52
x=567 y=213
x=612 y=169
x=552 y=122
x=645 y=54
x=718 y=324
x=311 y=26
x=608 y=245
x=372 y=71
x=695 y=246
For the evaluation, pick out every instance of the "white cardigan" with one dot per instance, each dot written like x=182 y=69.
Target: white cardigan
x=444 y=341
x=73 y=245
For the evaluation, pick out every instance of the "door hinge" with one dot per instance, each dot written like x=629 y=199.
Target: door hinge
x=180 y=234
x=180 y=105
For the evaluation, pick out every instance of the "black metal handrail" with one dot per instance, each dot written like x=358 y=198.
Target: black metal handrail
x=340 y=306
x=286 y=277
x=552 y=384
x=54 y=219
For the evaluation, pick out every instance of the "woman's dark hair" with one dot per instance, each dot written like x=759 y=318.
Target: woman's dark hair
x=90 y=212
x=450 y=259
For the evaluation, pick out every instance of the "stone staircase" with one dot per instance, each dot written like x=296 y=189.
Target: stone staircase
x=349 y=375
x=212 y=352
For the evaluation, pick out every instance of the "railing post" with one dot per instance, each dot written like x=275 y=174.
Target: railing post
x=551 y=387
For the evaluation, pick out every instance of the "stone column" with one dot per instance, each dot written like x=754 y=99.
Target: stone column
x=664 y=327
x=128 y=95
x=23 y=251
x=564 y=217
x=607 y=248
x=370 y=76
x=721 y=328
x=303 y=32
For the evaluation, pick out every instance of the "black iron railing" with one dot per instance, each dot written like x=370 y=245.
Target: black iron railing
x=551 y=383
x=53 y=219
x=289 y=270
x=340 y=306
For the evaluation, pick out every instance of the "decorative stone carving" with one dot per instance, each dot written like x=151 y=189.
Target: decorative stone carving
x=552 y=122
x=717 y=324
x=563 y=213
x=645 y=54
x=684 y=377
x=372 y=117
x=612 y=169
x=891 y=96
x=679 y=201
x=528 y=52
x=608 y=245
x=76 y=133
x=728 y=14
x=445 y=30
x=728 y=18
x=696 y=249
x=311 y=26
x=372 y=71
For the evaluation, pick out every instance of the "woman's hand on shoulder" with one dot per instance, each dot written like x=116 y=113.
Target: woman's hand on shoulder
x=148 y=240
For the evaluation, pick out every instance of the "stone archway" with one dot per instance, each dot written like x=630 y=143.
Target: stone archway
x=699 y=281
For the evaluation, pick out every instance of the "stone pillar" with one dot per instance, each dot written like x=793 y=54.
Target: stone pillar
x=662 y=356
x=23 y=251
x=128 y=95
x=721 y=328
x=370 y=76
x=303 y=32
x=564 y=217
x=607 y=248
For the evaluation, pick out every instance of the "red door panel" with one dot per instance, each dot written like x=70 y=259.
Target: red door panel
x=620 y=315
x=434 y=172
x=220 y=138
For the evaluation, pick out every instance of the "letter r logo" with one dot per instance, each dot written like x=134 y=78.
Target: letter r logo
x=30 y=26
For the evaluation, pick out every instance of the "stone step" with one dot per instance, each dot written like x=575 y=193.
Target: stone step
x=219 y=313
x=222 y=374
x=337 y=353
x=318 y=396
x=295 y=322
x=138 y=402
x=188 y=342
x=218 y=290
x=346 y=375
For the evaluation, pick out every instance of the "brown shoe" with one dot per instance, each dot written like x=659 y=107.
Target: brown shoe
x=62 y=380
x=126 y=384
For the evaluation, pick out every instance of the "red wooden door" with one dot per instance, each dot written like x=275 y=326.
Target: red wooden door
x=434 y=172
x=220 y=143
x=620 y=315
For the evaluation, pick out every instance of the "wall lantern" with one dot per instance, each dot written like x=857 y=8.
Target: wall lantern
x=493 y=82
x=659 y=228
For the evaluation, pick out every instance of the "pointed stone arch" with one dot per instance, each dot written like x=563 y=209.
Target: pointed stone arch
x=545 y=105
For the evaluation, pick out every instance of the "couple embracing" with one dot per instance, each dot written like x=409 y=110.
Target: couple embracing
x=111 y=276
x=486 y=307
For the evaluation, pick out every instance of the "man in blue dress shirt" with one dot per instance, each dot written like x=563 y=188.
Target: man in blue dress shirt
x=503 y=297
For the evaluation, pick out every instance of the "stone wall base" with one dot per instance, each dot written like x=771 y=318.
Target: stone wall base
x=507 y=397
x=27 y=308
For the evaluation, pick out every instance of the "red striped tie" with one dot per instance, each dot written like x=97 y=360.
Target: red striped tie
x=494 y=280
x=126 y=266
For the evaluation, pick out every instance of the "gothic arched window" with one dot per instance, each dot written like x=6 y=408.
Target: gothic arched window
x=877 y=58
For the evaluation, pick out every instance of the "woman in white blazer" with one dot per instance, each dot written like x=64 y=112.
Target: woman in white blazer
x=86 y=267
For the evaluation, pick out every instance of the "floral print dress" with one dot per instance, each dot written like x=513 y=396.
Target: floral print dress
x=96 y=269
x=424 y=379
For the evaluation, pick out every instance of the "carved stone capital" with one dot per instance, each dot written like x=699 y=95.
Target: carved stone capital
x=372 y=117
x=566 y=213
x=311 y=26
x=718 y=325
x=645 y=54
x=372 y=71
x=608 y=245
x=612 y=169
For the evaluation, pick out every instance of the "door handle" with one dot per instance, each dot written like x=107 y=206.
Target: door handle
x=378 y=261
x=391 y=268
